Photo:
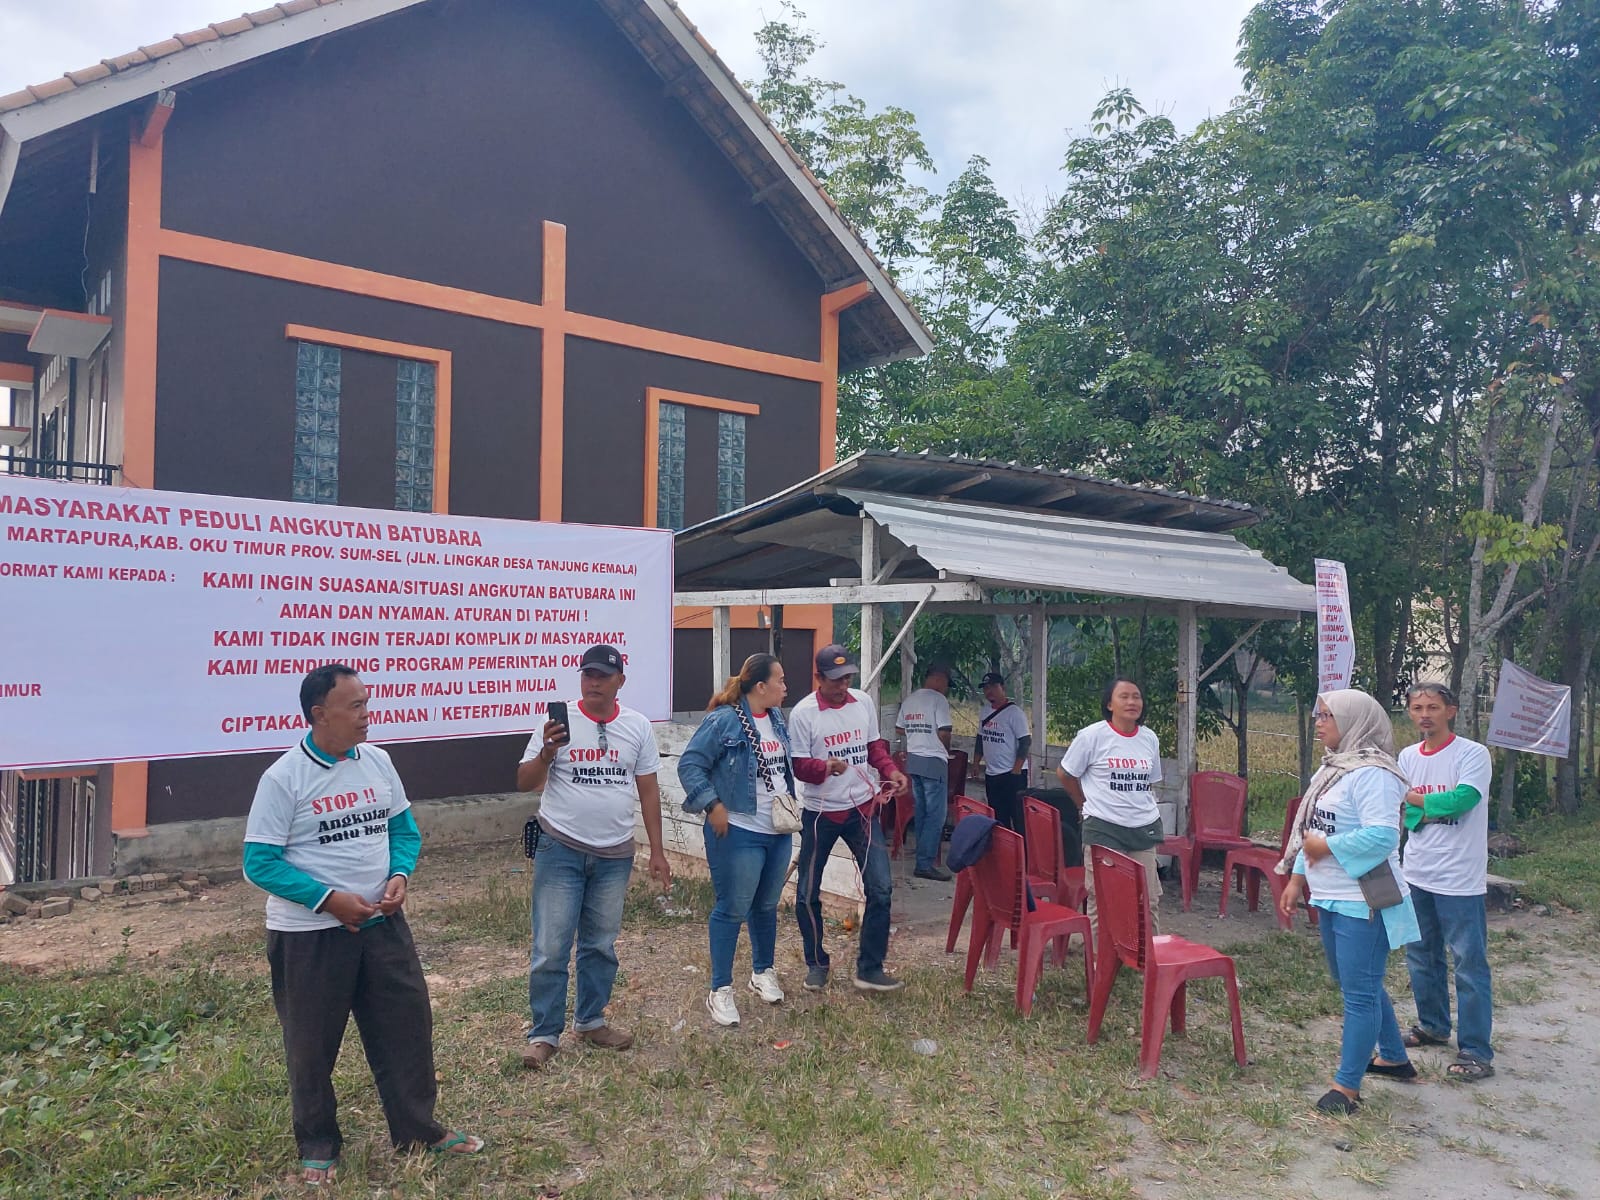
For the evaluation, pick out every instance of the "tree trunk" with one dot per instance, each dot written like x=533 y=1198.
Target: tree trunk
x=1242 y=728
x=1579 y=652
x=1302 y=724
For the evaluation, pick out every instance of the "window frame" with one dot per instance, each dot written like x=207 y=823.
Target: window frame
x=653 y=399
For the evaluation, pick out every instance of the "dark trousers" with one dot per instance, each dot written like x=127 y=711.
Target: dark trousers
x=864 y=837
x=1004 y=793
x=319 y=978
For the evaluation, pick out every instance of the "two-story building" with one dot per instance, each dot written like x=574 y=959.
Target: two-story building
x=538 y=259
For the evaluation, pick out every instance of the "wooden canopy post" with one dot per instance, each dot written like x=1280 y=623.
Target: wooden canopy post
x=1188 y=698
x=721 y=646
x=871 y=611
x=908 y=657
x=1039 y=628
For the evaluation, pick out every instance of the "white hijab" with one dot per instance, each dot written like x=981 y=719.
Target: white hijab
x=1366 y=739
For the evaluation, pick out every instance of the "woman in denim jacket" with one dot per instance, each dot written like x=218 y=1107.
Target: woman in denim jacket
x=749 y=859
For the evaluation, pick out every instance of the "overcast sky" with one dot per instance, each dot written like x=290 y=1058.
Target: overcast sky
x=1012 y=80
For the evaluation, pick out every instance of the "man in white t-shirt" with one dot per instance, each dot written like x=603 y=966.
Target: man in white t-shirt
x=1001 y=749
x=839 y=759
x=925 y=724
x=595 y=772
x=1446 y=864
x=330 y=838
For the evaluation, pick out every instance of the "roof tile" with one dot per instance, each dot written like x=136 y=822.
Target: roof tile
x=161 y=49
x=291 y=7
x=231 y=27
x=16 y=100
x=89 y=74
x=266 y=16
x=123 y=61
x=43 y=91
x=198 y=37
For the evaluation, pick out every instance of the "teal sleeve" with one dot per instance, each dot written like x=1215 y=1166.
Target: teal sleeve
x=1362 y=849
x=1299 y=864
x=405 y=844
x=265 y=866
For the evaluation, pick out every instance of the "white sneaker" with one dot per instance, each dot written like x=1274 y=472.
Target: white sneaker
x=765 y=985
x=722 y=1008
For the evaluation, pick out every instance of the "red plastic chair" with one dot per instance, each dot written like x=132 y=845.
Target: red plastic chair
x=901 y=812
x=1248 y=866
x=1048 y=874
x=965 y=806
x=904 y=811
x=1216 y=814
x=1168 y=962
x=1001 y=880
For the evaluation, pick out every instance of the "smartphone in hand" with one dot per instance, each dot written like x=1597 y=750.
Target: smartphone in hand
x=558 y=714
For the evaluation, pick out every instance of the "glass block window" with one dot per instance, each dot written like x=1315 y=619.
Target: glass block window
x=730 y=462
x=413 y=450
x=316 y=424
x=671 y=447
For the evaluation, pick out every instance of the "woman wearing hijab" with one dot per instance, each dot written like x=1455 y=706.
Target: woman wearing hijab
x=734 y=769
x=1348 y=827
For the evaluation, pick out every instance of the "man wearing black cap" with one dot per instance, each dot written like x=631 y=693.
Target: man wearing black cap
x=593 y=775
x=1002 y=747
x=833 y=736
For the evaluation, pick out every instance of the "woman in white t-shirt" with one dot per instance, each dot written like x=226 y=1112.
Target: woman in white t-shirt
x=1108 y=770
x=737 y=761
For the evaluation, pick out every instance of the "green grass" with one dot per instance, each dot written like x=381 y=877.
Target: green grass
x=168 y=1079
x=1559 y=867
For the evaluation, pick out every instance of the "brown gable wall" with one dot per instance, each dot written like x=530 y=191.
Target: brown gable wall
x=433 y=148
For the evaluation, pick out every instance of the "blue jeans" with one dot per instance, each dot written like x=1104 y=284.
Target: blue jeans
x=747 y=873
x=574 y=894
x=1461 y=923
x=1357 y=951
x=932 y=806
x=864 y=836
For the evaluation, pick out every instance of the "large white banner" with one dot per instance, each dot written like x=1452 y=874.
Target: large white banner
x=1530 y=713
x=148 y=624
x=1336 y=635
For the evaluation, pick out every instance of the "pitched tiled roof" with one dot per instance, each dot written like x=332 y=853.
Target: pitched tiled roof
x=872 y=332
x=107 y=67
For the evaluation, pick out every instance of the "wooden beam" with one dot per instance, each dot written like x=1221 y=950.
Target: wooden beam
x=155 y=121
x=1229 y=652
x=969 y=482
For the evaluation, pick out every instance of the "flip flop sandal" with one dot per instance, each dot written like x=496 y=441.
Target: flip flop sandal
x=1418 y=1036
x=1336 y=1103
x=457 y=1143
x=1405 y=1070
x=1469 y=1070
x=323 y=1167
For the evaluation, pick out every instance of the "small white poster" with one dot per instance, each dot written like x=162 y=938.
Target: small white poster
x=1336 y=641
x=1530 y=713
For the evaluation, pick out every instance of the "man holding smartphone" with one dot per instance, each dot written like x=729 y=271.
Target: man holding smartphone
x=846 y=773
x=596 y=763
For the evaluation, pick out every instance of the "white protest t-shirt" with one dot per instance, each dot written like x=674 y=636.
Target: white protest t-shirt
x=1000 y=734
x=1450 y=857
x=1116 y=771
x=1365 y=797
x=922 y=714
x=590 y=795
x=760 y=821
x=333 y=824
x=844 y=732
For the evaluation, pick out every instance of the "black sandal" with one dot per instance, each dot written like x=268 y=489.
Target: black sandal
x=1405 y=1070
x=1467 y=1069
x=1418 y=1036
x=1336 y=1103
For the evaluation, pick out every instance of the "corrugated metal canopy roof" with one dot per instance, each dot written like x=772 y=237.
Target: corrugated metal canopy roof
x=1167 y=547
x=1106 y=558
